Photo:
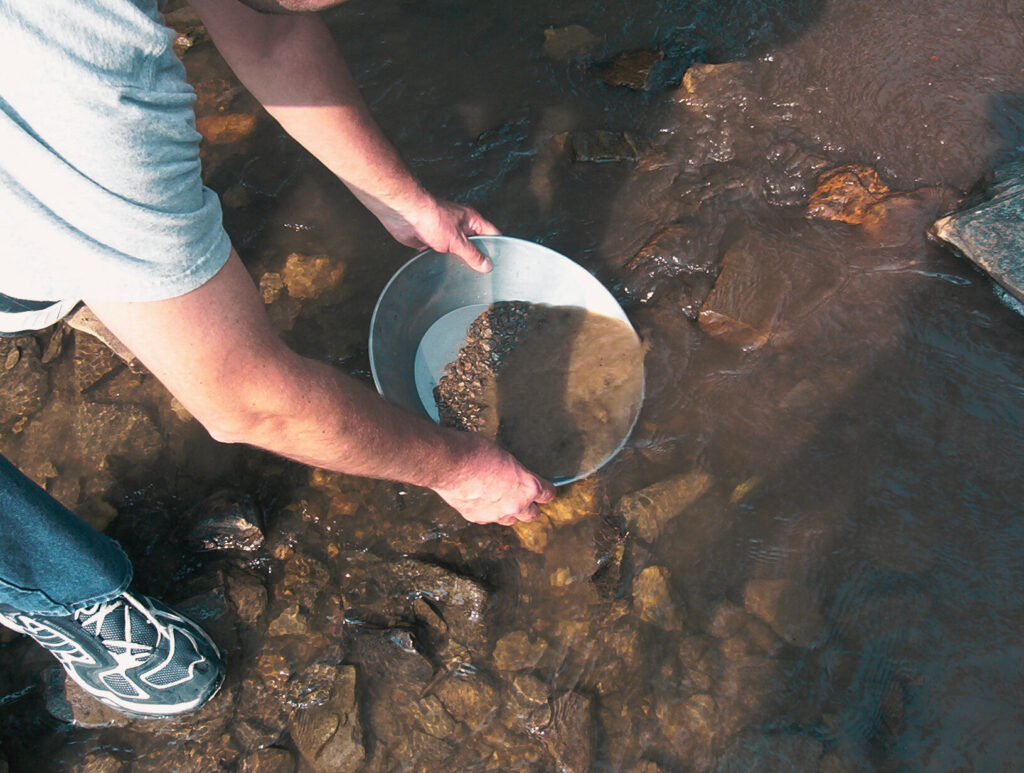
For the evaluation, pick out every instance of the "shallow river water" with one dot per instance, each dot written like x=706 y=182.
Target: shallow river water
x=822 y=570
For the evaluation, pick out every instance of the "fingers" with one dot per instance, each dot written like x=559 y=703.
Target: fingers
x=471 y=256
x=547 y=492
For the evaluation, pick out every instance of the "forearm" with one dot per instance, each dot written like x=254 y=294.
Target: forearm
x=294 y=69
x=307 y=411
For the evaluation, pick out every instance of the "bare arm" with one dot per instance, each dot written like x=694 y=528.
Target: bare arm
x=245 y=385
x=292 y=66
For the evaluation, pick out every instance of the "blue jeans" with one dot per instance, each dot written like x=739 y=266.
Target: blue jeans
x=52 y=562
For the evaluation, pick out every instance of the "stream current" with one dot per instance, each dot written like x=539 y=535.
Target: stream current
x=843 y=592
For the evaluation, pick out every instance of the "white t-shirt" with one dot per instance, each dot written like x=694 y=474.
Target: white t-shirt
x=101 y=195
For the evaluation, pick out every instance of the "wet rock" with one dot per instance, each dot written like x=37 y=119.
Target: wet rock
x=751 y=753
x=575 y=502
x=290 y=622
x=648 y=510
x=226 y=128
x=568 y=735
x=248 y=595
x=679 y=258
x=518 y=650
x=528 y=692
x=188 y=29
x=743 y=634
x=24 y=383
x=989 y=234
x=468 y=698
x=226 y=521
x=461 y=601
x=653 y=601
x=571 y=43
x=93 y=361
x=534 y=535
x=743 y=306
x=599 y=145
x=69 y=703
x=268 y=761
x=788 y=607
x=833 y=762
x=704 y=84
x=83 y=320
x=792 y=170
x=330 y=736
x=631 y=69
x=97 y=763
x=309 y=276
x=846 y=193
x=104 y=431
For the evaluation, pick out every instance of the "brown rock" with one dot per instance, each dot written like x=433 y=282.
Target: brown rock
x=691 y=727
x=653 y=599
x=330 y=736
x=268 y=761
x=518 y=650
x=125 y=431
x=575 y=502
x=226 y=128
x=226 y=521
x=846 y=194
x=788 y=607
x=468 y=699
x=599 y=145
x=24 y=383
x=534 y=535
x=290 y=622
x=680 y=257
x=648 y=510
x=568 y=735
x=745 y=302
x=631 y=69
x=308 y=276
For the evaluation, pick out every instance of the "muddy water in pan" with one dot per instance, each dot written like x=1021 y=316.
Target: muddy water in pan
x=808 y=555
x=558 y=386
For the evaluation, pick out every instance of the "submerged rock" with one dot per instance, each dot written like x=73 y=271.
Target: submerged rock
x=330 y=736
x=648 y=510
x=69 y=703
x=599 y=145
x=788 y=607
x=752 y=753
x=518 y=650
x=272 y=760
x=567 y=44
x=24 y=383
x=653 y=601
x=680 y=259
x=743 y=306
x=990 y=234
x=631 y=69
x=309 y=276
x=568 y=735
x=226 y=128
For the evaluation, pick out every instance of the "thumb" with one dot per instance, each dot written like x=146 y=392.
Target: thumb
x=471 y=256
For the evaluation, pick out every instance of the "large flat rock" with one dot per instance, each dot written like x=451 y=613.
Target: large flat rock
x=991 y=234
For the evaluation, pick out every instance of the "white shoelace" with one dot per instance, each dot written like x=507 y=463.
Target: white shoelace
x=134 y=653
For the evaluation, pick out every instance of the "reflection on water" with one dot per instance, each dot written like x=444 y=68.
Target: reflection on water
x=808 y=555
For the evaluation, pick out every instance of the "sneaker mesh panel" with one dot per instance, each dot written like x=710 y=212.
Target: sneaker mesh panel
x=185 y=655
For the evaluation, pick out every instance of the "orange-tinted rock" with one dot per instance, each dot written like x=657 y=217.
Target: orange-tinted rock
x=847 y=194
x=307 y=276
x=226 y=128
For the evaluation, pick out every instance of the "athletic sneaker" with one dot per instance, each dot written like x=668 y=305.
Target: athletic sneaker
x=133 y=653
